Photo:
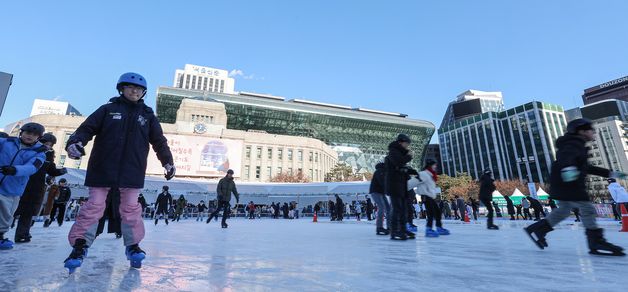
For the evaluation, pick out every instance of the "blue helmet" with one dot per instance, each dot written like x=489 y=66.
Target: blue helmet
x=131 y=78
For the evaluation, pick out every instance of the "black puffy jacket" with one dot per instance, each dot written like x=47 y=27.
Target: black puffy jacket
x=123 y=131
x=571 y=150
x=396 y=182
x=36 y=186
x=487 y=187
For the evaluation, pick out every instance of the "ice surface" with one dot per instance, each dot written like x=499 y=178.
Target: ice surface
x=298 y=255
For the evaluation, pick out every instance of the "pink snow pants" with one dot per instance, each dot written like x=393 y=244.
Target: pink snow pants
x=94 y=208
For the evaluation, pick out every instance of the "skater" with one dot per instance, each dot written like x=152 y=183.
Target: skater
x=358 y=210
x=619 y=194
x=111 y=215
x=567 y=180
x=510 y=207
x=537 y=207
x=552 y=204
x=61 y=202
x=475 y=206
x=462 y=209
x=454 y=208
x=410 y=203
x=53 y=192
x=428 y=191
x=396 y=185
x=31 y=200
x=201 y=208
x=526 y=209
x=251 y=209
x=519 y=213
x=181 y=204
x=143 y=203
x=332 y=210
x=576 y=212
x=369 y=209
x=377 y=191
x=339 y=208
x=487 y=187
x=225 y=187
x=20 y=158
x=162 y=205
x=123 y=129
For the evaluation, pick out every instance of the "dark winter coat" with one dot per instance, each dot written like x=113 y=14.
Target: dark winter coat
x=164 y=200
x=340 y=206
x=201 y=208
x=36 y=186
x=369 y=206
x=534 y=203
x=378 y=182
x=225 y=187
x=572 y=151
x=123 y=131
x=142 y=201
x=509 y=205
x=487 y=187
x=64 y=195
x=396 y=177
x=181 y=203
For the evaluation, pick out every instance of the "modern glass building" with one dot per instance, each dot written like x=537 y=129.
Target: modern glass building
x=517 y=143
x=360 y=136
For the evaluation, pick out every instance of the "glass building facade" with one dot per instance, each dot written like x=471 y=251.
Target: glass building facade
x=360 y=136
x=517 y=143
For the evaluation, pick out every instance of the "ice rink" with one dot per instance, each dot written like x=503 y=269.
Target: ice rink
x=298 y=255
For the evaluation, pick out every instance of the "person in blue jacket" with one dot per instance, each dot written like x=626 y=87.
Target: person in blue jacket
x=123 y=129
x=20 y=158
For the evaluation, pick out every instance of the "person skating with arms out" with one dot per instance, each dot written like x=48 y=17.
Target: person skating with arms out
x=567 y=180
x=20 y=158
x=124 y=129
x=225 y=187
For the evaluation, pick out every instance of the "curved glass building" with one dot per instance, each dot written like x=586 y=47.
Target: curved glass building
x=360 y=136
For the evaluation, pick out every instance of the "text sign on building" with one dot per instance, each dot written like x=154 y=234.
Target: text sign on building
x=200 y=156
x=5 y=83
x=49 y=107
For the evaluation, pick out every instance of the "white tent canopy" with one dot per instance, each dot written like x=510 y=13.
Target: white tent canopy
x=541 y=192
x=517 y=193
x=496 y=193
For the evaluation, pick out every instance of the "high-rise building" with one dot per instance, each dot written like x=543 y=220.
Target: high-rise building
x=433 y=152
x=471 y=103
x=614 y=89
x=360 y=136
x=204 y=78
x=610 y=147
x=517 y=143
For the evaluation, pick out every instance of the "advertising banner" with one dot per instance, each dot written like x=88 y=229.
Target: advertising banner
x=200 y=156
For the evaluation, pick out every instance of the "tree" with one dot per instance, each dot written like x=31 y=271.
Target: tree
x=461 y=185
x=507 y=187
x=342 y=172
x=286 y=177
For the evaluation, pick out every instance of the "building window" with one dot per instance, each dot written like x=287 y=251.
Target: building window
x=187 y=81
x=246 y=171
x=259 y=153
x=270 y=153
x=269 y=172
x=300 y=155
x=257 y=172
x=316 y=157
x=216 y=85
x=289 y=154
x=311 y=174
x=222 y=86
x=211 y=84
x=279 y=169
x=280 y=153
x=204 y=83
x=290 y=170
x=193 y=82
x=248 y=152
x=311 y=156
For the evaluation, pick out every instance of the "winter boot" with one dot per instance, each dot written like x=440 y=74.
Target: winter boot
x=429 y=232
x=76 y=256
x=135 y=254
x=382 y=231
x=166 y=221
x=537 y=232
x=5 y=243
x=599 y=246
x=442 y=231
x=22 y=238
x=224 y=225
x=47 y=223
x=410 y=235
x=209 y=219
x=156 y=220
x=398 y=235
x=490 y=225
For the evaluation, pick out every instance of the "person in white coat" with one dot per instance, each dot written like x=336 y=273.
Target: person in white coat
x=619 y=194
x=428 y=191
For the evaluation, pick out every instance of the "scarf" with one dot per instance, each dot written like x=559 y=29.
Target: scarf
x=434 y=175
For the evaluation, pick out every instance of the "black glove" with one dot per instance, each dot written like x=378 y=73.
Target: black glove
x=8 y=170
x=64 y=171
x=170 y=171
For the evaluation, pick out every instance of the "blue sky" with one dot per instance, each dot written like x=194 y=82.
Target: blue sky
x=401 y=56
